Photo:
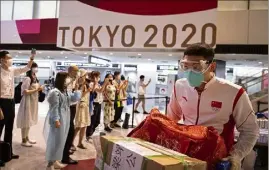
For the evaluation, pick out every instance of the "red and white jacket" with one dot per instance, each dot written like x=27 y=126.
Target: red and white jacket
x=222 y=105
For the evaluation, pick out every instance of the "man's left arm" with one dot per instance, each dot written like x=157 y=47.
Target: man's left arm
x=246 y=124
x=19 y=71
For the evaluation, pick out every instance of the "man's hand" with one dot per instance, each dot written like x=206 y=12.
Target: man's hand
x=57 y=124
x=149 y=80
x=1 y=114
x=235 y=163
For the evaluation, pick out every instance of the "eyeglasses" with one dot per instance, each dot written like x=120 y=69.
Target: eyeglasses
x=198 y=66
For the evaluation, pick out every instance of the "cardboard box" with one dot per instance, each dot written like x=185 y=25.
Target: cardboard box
x=121 y=153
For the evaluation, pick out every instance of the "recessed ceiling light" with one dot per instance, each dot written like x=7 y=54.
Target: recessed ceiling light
x=39 y=52
x=260 y=62
x=85 y=53
x=85 y=57
x=170 y=55
x=149 y=59
x=139 y=54
x=66 y=57
x=48 y=56
x=20 y=52
x=110 y=53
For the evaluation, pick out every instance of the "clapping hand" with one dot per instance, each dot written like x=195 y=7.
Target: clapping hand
x=57 y=124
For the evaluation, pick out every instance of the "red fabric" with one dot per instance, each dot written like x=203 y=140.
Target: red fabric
x=199 y=142
x=228 y=130
x=150 y=7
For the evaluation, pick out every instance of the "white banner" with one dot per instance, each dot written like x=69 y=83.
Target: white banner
x=84 y=26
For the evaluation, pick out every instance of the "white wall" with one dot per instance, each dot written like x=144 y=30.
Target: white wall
x=149 y=71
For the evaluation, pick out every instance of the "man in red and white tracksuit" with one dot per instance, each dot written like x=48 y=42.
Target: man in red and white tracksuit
x=200 y=98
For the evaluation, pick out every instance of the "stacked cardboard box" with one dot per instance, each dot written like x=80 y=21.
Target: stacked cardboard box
x=120 y=153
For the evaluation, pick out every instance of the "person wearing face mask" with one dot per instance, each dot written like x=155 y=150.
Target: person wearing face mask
x=71 y=84
x=109 y=94
x=203 y=99
x=82 y=118
x=141 y=94
x=57 y=122
x=28 y=110
x=120 y=97
x=7 y=103
x=97 y=93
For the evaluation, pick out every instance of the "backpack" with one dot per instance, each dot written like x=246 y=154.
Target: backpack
x=17 y=94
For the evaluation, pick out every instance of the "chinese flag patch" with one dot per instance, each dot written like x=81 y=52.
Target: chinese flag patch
x=215 y=104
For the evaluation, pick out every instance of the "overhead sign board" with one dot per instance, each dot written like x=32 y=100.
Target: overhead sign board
x=136 y=24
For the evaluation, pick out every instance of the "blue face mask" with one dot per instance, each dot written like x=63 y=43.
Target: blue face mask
x=195 y=79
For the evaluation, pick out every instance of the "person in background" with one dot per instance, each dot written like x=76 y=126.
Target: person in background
x=203 y=99
x=241 y=84
x=71 y=83
x=109 y=94
x=97 y=95
x=57 y=123
x=28 y=110
x=82 y=118
x=141 y=94
x=7 y=103
x=121 y=87
x=125 y=110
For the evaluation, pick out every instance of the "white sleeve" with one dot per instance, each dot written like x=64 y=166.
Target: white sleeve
x=25 y=84
x=246 y=124
x=19 y=71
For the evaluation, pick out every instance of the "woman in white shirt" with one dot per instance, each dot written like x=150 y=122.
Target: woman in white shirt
x=97 y=95
x=28 y=110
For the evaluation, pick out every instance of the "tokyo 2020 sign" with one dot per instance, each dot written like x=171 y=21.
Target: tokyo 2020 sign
x=136 y=24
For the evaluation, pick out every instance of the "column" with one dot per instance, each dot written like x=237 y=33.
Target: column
x=36 y=9
x=220 y=69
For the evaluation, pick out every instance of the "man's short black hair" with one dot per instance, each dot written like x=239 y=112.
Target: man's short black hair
x=142 y=77
x=200 y=49
x=116 y=73
x=3 y=54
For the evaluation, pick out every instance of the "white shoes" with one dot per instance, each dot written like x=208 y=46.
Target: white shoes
x=58 y=165
x=32 y=141
x=26 y=144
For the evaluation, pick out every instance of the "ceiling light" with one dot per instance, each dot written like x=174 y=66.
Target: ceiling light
x=85 y=57
x=62 y=52
x=170 y=55
x=149 y=59
x=66 y=57
x=20 y=52
x=85 y=53
x=39 y=52
x=48 y=56
x=260 y=62
x=110 y=53
x=139 y=54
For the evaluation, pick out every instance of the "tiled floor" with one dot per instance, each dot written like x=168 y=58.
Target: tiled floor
x=34 y=158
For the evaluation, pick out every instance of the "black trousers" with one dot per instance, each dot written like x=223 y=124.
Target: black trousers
x=8 y=108
x=118 y=112
x=95 y=119
x=71 y=132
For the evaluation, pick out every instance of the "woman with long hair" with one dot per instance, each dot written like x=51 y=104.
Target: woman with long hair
x=28 y=110
x=57 y=122
x=109 y=94
x=82 y=118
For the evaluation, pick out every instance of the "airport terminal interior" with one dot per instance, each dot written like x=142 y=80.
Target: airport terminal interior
x=150 y=47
